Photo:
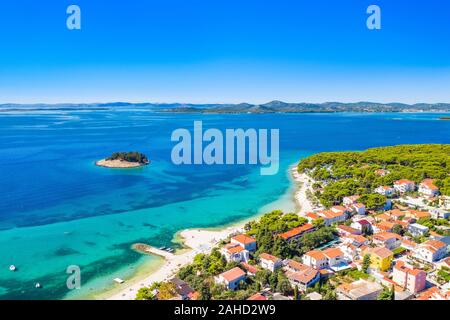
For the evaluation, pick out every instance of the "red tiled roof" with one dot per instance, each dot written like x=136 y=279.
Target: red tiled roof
x=257 y=297
x=332 y=253
x=244 y=239
x=233 y=274
x=296 y=231
x=316 y=254
x=267 y=256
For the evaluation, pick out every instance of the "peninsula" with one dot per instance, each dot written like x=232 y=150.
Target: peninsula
x=124 y=160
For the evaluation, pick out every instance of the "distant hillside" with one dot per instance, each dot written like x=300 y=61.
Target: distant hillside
x=271 y=107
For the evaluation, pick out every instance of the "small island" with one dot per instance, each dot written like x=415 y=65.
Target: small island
x=124 y=160
x=444 y=118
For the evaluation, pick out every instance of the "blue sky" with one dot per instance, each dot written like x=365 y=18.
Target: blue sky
x=224 y=51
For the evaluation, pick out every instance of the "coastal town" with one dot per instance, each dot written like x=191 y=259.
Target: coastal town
x=396 y=249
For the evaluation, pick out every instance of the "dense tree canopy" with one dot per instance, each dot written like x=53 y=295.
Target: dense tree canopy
x=348 y=173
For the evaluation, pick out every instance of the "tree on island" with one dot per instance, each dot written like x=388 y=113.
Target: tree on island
x=133 y=156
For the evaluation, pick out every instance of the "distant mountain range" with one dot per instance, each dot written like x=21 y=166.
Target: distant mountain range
x=271 y=107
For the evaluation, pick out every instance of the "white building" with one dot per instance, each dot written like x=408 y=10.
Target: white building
x=234 y=252
x=428 y=188
x=246 y=242
x=417 y=230
x=315 y=259
x=431 y=251
x=404 y=185
x=231 y=278
x=385 y=191
x=437 y=213
x=269 y=262
x=347 y=201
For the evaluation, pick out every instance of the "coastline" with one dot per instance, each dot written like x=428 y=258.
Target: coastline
x=203 y=240
x=118 y=164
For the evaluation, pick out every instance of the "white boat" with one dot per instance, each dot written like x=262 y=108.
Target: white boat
x=38 y=285
x=12 y=268
x=119 y=281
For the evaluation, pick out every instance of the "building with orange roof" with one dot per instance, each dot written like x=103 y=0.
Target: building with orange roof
x=257 y=297
x=335 y=259
x=428 y=188
x=245 y=241
x=344 y=230
x=231 y=278
x=356 y=240
x=295 y=233
x=408 y=277
x=431 y=251
x=382 y=172
x=304 y=278
x=315 y=259
x=384 y=226
x=234 y=252
x=418 y=214
x=432 y=293
x=389 y=240
x=359 y=290
x=380 y=257
x=251 y=270
x=269 y=262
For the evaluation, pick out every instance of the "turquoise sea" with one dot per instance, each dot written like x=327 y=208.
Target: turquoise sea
x=58 y=209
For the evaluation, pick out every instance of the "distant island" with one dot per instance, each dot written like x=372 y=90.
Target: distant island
x=124 y=160
x=444 y=118
x=241 y=108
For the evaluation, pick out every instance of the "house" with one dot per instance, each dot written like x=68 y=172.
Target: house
x=428 y=188
x=358 y=208
x=347 y=201
x=362 y=225
x=183 y=289
x=296 y=233
x=303 y=279
x=258 y=297
x=431 y=251
x=388 y=240
x=418 y=214
x=269 y=262
x=335 y=259
x=344 y=230
x=408 y=244
x=315 y=259
x=408 y=277
x=231 y=278
x=395 y=215
x=356 y=240
x=246 y=242
x=340 y=209
x=359 y=290
x=404 y=185
x=251 y=270
x=329 y=216
x=432 y=293
x=234 y=252
x=385 y=191
x=350 y=251
x=437 y=213
x=384 y=226
x=380 y=257
x=417 y=230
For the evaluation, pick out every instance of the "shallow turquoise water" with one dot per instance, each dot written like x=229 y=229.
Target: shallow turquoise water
x=58 y=209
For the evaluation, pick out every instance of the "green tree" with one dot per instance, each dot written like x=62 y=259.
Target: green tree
x=145 y=293
x=366 y=263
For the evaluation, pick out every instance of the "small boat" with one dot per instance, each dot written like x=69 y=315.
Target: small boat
x=170 y=250
x=38 y=285
x=162 y=248
x=119 y=281
x=12 y=268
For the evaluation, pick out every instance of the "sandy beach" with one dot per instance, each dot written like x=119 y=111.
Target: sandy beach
x=305 y=184
x=197 y=241
x=118 y=164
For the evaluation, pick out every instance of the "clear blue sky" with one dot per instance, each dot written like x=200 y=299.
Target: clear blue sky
x=224 y=51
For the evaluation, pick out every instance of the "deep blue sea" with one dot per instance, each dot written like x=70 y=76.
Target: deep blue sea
x=58 y=209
